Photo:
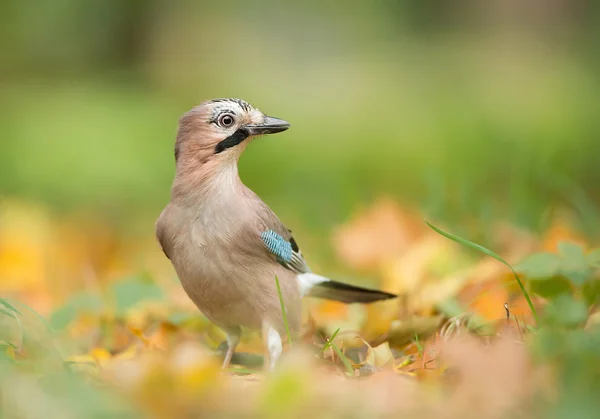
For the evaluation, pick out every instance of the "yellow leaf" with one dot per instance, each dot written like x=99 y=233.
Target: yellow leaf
x=380 y=355
x=380 y=316
x=382 y=232
x=160 y=338
x=127 y=354
x=140 y=335
x=26 y=236
x=404 y=331
x=10 y=351
x=401 y=363
x=101 y=355
x=82 y=359
x=561 y=229
x=194 y=368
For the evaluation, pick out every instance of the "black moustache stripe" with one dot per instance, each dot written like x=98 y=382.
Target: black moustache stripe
x=231 y=141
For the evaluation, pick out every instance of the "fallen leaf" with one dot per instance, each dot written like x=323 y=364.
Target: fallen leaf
x=380 y=356
x=381 y=232
x=403 y=332
x=561 y=230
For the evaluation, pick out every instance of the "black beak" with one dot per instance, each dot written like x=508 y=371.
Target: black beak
x=269 y=126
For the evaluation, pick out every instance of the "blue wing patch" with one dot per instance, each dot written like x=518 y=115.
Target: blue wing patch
x=277 y=245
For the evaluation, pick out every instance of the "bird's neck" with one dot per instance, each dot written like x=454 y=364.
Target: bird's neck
x=204 y=183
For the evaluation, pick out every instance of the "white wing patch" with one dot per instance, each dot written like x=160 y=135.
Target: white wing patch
x=308 y=280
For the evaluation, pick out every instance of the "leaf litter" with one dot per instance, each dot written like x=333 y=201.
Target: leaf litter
x=460 y=341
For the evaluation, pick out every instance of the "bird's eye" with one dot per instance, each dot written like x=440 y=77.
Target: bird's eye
x=226 y=120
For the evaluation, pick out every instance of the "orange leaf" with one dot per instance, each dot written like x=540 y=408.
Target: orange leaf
x=561 y=229
x=381 y=232
x=140 y=335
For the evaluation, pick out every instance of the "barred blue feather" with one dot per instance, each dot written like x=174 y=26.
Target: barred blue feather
x=277 y=245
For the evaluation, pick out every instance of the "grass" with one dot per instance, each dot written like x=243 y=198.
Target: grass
x=488 y=252
x=347 y=363
x=9 y=306
x=330 y=340
x=340 y=354
x=41 y=318
x=11 y=311
x=283 y=312
x=420 y=347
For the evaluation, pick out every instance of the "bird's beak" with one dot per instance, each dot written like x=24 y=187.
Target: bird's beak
x=270 y=125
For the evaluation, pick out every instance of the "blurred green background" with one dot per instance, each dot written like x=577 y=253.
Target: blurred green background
x=471 y=111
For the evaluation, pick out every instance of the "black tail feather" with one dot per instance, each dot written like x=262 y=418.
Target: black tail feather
x=346 y=293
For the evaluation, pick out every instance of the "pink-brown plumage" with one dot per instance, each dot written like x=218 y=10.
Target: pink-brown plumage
x=212 y=228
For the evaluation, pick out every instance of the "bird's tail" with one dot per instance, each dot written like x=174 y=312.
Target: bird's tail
x=346 y=293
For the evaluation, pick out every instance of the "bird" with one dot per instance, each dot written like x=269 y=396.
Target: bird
x=228 y=248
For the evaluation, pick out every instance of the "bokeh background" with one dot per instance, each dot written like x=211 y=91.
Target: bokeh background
x=467 y=113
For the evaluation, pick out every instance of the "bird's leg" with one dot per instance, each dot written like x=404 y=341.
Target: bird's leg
x=233 y=338
x=274 y=345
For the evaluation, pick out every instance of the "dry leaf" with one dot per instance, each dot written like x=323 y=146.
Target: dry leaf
x=380 y=355
x=403 y=332
x=382 y=232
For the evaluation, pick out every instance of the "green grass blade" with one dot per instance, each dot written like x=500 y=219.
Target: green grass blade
x=45 y=323
x=21 y=332
x=344 y=359
x=330 y=340
x=419 y=346
x=39 y=317
x=283 y=312
x=9 y=306
x=7 y=343
x=488 y=252
x=9 y=313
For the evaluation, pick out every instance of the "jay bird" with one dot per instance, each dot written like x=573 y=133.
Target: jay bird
x=225 y=243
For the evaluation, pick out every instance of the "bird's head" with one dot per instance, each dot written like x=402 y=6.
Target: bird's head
x=220 y=129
